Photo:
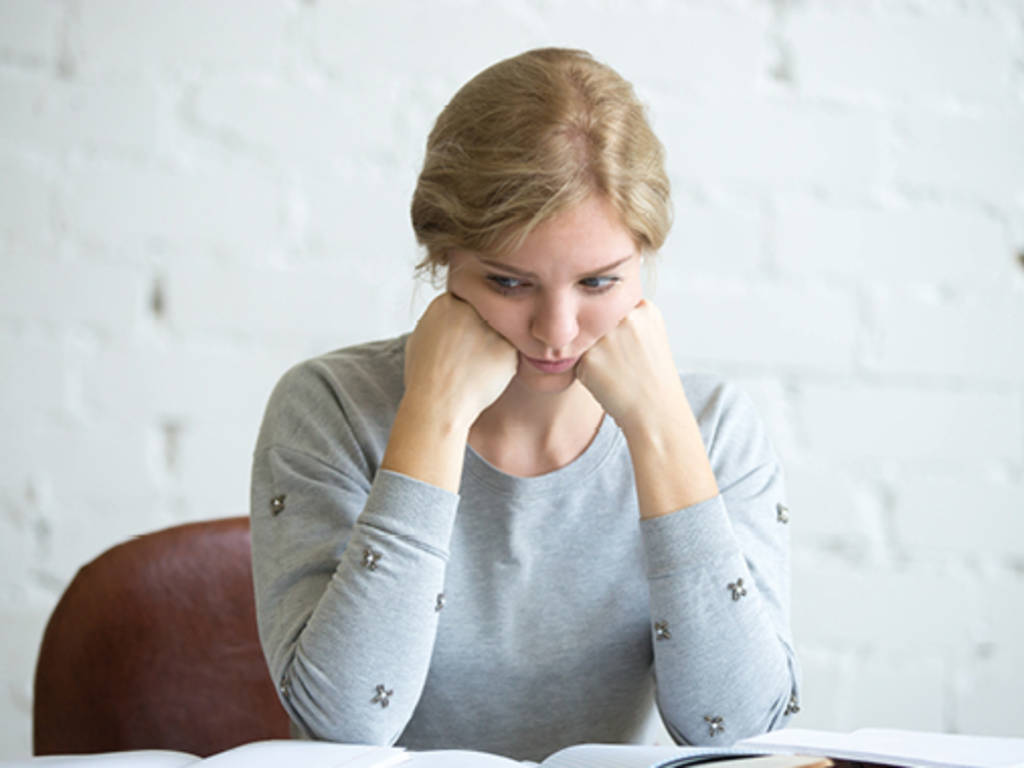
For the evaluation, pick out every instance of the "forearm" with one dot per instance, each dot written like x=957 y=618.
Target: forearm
x=359 y=666
x=427 y=443
x=718 y=652
x=345 y=606
x=670 y=462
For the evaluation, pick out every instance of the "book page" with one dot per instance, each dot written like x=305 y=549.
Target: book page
x=308 y=754
x=897 y=747
x=321 y=754
x=633 y=756
x=456 y=758
x=981 y=751
x=636 y=756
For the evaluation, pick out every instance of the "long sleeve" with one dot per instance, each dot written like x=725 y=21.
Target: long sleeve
x=718 y=574
x=348 y=563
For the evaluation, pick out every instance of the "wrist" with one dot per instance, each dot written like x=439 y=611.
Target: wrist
x=426 y=444
x=439 y=413
x=663 y=413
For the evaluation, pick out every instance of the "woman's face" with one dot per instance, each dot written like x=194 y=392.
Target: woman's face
x=572 y=280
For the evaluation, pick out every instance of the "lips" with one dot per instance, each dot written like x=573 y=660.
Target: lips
x=552 y=366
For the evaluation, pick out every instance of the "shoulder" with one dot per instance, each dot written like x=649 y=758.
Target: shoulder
x=713 y=397
x=376 y=367
x=733 y=431
x=354 y=388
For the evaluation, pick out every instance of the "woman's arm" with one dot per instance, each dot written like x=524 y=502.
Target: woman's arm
x=347 y=566
x=348 y=559
x=718 y=572
x=717 y=555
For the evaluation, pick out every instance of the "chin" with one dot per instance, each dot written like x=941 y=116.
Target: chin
x=552 y=383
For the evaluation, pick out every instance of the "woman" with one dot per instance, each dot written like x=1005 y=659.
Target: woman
x=504 y=531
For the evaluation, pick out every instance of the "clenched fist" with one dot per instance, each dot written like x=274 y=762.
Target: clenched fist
x=630 y=370
x=456 y=361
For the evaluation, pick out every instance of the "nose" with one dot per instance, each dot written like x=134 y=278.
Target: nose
x=555 y=323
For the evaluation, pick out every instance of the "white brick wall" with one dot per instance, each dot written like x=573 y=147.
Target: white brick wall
x=195 y=195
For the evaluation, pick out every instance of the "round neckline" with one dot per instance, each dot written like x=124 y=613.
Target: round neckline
x=557 y=481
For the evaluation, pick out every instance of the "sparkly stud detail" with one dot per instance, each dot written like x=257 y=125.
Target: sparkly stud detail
x=738 y=590
x=782 y=513
x=440 y=602
x=383 y=696
x=285 y=688
x=370 y=558
x=661 y=631
x=715 y=726
x=793 y=706
x=277 y=505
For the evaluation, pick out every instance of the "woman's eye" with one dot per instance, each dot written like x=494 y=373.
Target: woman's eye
x=505 y=284
x=598 y=284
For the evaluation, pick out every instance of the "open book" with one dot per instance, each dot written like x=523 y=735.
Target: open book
x=266 y=755
x=789 y=748
x=310 y=754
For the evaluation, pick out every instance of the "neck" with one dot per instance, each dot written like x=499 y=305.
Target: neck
x=526 y=432
x=541 y=413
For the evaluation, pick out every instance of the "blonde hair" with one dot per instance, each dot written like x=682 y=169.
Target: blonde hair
x=530 y=137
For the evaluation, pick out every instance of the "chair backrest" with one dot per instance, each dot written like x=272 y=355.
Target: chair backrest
x=154 y=646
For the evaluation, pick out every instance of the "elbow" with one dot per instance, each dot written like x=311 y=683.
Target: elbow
x=739 y=716
x=785 y=709
x=787 y=701
x=321 y=713
x=784 y=705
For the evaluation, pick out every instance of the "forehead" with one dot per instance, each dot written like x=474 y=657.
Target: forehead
x=580 y=239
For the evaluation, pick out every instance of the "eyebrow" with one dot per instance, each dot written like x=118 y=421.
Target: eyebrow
x=524 y=273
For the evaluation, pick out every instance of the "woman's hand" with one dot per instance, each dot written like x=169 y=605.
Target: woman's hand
x=455 y=362
x=630 y=370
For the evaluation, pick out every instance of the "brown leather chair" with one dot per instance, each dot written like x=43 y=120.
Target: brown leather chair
x=154 y=646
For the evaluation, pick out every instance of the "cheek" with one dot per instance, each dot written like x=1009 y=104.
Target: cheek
x=633 y=295
x=457 y=281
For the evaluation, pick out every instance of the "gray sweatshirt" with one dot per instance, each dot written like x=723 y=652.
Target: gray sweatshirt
x=522 y=614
